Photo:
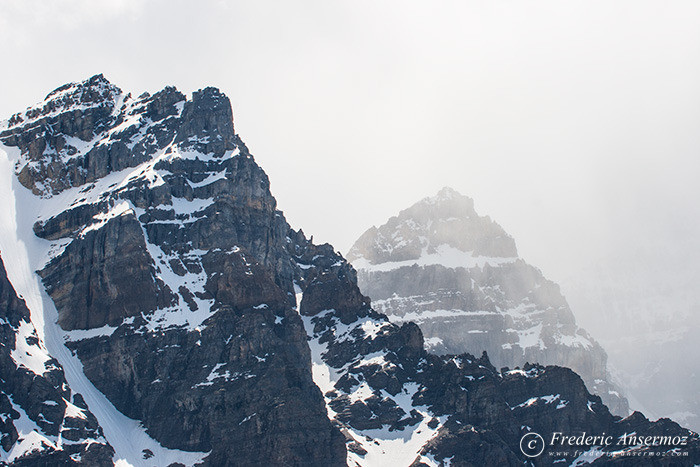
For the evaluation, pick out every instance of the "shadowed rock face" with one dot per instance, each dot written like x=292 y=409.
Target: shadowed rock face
x=197 y=310
x=459 y=277
x=93 y=281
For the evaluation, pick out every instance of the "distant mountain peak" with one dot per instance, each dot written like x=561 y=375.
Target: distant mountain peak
x=447 y=193
x=457 y=274
x=449 y=196
x=446 y=221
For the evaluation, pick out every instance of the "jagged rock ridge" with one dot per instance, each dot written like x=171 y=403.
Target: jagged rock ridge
x=196 y=310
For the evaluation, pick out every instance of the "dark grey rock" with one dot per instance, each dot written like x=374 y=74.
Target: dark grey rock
x=42 y=397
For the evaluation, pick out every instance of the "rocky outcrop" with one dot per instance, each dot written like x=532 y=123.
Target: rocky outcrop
x=458 y=275
x=92 y=282
x=42 y=422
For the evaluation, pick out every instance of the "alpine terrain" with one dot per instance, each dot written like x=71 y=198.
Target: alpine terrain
x=458 y=276
x=157 y=309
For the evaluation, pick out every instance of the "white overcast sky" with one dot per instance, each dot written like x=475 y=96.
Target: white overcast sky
x=574 y=124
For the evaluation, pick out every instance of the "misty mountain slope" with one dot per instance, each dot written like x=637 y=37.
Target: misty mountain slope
x=458 y=275
x=202 y=330
x=652 y=293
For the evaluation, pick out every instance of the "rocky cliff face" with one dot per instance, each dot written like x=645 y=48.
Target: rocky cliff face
x=458 y=275
x=167 y=262
x=41 y=420
x=195 y=311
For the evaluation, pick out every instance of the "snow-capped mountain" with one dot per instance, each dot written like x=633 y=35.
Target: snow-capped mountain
x=147 y=262
x=458 y=275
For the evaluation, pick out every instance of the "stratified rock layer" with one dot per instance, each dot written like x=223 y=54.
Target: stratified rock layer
x=458 y=275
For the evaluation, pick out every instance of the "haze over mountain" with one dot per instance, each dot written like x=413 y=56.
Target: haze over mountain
x=459 y=277
x=156 y=308
x=648 y=320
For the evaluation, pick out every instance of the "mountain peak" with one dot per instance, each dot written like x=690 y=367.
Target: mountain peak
x=95 y=91
x=447 y=203
x=82 y=131
x=447 y=193
x=457 y=275
x=444 y=222
x=96 y=83
x=95 y=95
